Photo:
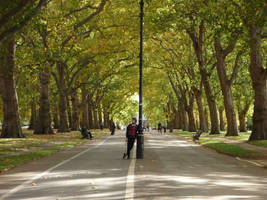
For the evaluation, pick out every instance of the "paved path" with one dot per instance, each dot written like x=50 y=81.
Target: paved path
x=172 y=169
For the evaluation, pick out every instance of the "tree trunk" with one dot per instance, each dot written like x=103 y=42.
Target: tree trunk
x=11 y=127
x=242 y=122
x=106 y=119
x=222 y=123
x=206 y=117
x=84 y=109
x=197 y=124
x=242 y=111
x=226 y=86
x=201 y=115
x=63 y=122
x=43 y=125
x=90 y=113
x=190 y=112
x=69 y=112
x=258 y=76
x=177 y=124
x=170 y=123
x=96 y=122
x=232 y=129
x=214 y=129
x=100 y=115
x=75 y=111
x=183 y=117
x=55 y=118
x=33 y=116
x=198 y=47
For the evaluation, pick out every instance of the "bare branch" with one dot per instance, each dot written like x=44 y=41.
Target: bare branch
x=55 y=77
x=19 y=8
x=23 y=22
x=230 y=46
x=236 y=67
x=98 y=10
x=81 y=9
x=173 y=86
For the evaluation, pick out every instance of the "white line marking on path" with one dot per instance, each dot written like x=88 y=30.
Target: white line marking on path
x=129 y=193
x=19 y=187
x=251 y=162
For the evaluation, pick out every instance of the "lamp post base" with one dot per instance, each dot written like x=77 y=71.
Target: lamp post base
x=140 y=147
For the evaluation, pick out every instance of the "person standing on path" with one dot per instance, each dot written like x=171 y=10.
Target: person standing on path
x=131 y=134
x=112 y=128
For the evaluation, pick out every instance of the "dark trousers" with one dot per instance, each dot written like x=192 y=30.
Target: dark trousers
x=130 y=145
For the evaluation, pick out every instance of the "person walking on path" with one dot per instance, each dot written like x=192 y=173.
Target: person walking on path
x=165 y=129
x=160 y=128
x=112 y=128
x=131 y=134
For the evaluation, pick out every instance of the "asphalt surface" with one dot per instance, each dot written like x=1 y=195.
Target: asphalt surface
x=172 y=169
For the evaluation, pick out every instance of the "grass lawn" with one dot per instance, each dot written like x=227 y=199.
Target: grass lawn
x=261 y=143
x=229 y=149
x=211 y=142
x=17 y=151
x=243 y=136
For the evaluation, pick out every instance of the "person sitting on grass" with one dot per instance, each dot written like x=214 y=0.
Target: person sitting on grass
x=86 y=134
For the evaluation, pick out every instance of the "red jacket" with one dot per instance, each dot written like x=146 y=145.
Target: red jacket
x=131 y=131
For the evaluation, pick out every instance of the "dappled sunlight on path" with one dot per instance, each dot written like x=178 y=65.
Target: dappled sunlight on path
x=175 y=169
x=172 y=169
x=97 y=174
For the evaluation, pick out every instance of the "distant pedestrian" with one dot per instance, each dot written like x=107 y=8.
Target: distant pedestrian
x=159 y=127
x=112 y=128
x=165 y=129
x=131 y=134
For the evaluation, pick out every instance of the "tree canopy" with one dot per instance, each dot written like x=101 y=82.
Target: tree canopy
x=66 y=64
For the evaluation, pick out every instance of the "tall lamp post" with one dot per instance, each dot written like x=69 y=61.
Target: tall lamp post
x=140 y=136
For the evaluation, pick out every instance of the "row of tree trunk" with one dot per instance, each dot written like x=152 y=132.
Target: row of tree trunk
x=186 y=120
x=70 y=112
x=79 y=114
x=258 y=76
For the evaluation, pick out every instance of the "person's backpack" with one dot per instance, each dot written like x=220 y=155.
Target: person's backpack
x=132 y=129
